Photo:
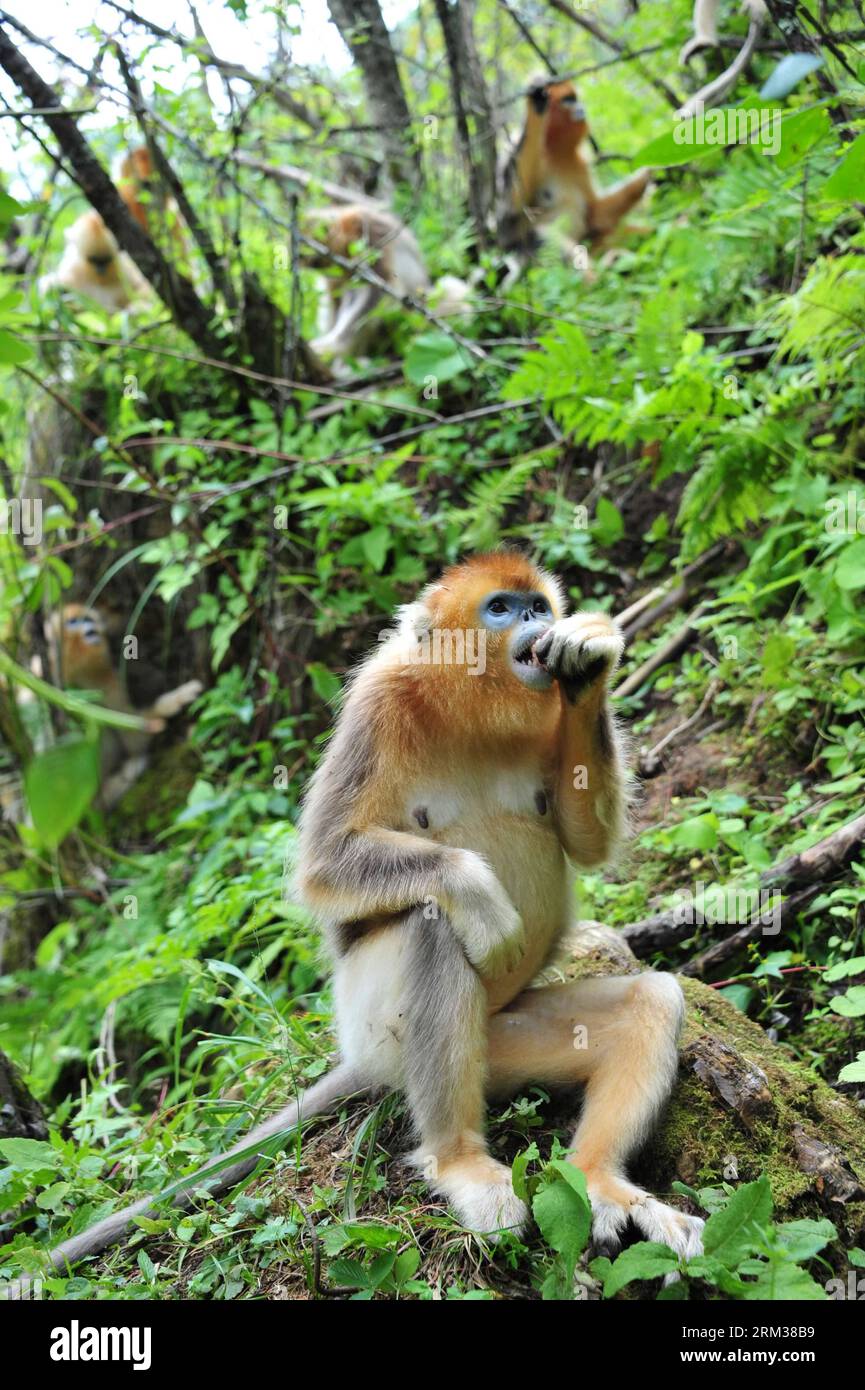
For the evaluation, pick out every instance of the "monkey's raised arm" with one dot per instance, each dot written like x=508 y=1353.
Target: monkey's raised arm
x=590 y=778
x=358 y=867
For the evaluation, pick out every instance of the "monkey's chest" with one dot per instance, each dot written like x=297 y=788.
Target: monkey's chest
x=506 y=817
x=559 y=198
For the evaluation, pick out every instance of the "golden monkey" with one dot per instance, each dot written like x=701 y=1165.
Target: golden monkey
x=135 y=175
x=92 y=264
x=547 y=186
x=392 y=251
x=81 y=658
x=474 y=765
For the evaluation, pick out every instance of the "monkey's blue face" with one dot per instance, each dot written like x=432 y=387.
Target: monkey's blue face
x=523 y=618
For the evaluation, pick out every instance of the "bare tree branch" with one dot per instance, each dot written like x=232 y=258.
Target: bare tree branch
x=477 y=140
x=365 y=35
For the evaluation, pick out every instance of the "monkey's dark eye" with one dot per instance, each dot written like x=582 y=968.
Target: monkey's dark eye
x=539 y=605
x=498 y=605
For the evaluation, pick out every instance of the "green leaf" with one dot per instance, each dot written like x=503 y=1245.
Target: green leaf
x=519 y=1170
x=646 y=1260
x=13 y=352
x=53 y=1197
x=60 y=784
x=146 y=1265
x=325 y=684
x=609 y=526
x=847 y=181
x=854 y=966
x=738 y=1228
x=856 y=1257
x=375 y=546
x=780 y=1280
x=850 y=567
x=700 y=832
x=854 y=1071
x=805 y=1238
x=851 y=1004
x=563 y=1213
x=435 y=355
x=29 y=1155
x=800 y=133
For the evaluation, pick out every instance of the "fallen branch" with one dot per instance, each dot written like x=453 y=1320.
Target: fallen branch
x=771 y=923
x=808 y=868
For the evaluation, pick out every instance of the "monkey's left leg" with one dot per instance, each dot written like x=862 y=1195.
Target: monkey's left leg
x=618 y=1036
x=444 y=1075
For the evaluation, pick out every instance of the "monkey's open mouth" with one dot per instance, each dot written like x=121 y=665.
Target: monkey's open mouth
x=524 y=654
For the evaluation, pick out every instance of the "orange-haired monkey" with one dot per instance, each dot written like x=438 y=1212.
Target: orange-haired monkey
x=475 y=760
x=92 y=264
x=392 y=252
x=136 y=175
x=548 y=179
x=81 y=658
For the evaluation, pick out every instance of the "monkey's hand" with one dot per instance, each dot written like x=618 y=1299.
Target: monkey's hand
x=485 y=920
x=173 y=701
x=581 y=650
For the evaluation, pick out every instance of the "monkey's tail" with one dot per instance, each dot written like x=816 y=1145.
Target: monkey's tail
x=319 y=1099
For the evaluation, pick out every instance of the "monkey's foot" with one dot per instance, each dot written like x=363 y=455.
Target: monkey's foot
x=481 y=1193
x=616 y=1202
x=173 y=701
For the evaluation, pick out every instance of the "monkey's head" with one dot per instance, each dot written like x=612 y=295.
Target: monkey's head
x=137 y=165
x=509 y=600
x=566 y=124
x=93 y=241
x=79 y=648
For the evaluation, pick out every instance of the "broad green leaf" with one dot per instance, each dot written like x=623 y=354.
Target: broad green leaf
x=325 y=684
x=646 y=1260
x=60 y=784
x=781 y=1280
x=850 y=567
x=699 y=832
x=375 y=546
x=737 y=1229
x=851 y=1004
x=609 y=526
x=12 y=351
x=854 y=1071
x=29 y=1155
x=805 y=1238
x=848 y=180
x=435 y=356
x=800 y=133
x=564 y=1215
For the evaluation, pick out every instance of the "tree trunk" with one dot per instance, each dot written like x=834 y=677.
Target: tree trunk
x=473 y=115
x=365 y=34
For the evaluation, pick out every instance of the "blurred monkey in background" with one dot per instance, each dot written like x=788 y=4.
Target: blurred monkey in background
x=547 y=187
x=92 y=264
x=386 y=246
x=81 y=658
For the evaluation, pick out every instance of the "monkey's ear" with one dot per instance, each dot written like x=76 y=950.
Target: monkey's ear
x=415 y=620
